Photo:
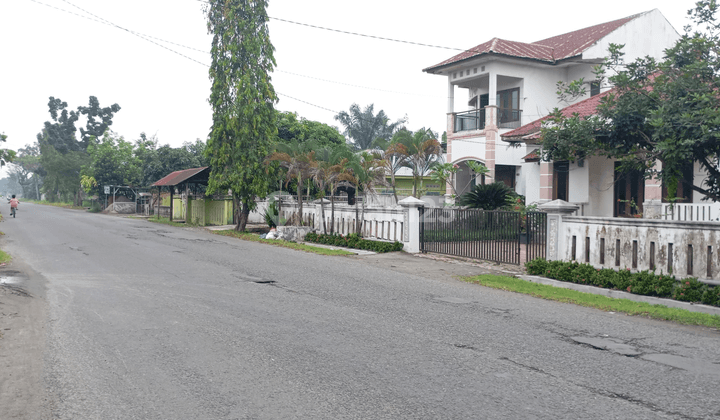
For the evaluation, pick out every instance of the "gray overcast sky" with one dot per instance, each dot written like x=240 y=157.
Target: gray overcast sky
x=48 y=52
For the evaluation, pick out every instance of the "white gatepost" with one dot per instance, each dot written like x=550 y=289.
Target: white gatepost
x=412 y=205
x=556 y=209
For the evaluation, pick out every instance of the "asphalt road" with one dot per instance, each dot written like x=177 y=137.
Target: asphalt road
x=145 y=321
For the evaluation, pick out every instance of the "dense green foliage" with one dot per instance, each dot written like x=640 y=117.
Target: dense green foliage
x=640 y=283
x=354 y=240
x=292 y=129
x=664 y=112
x=487 y=196
x=242 y=98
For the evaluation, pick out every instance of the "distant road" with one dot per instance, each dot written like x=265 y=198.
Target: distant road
x=146 y=321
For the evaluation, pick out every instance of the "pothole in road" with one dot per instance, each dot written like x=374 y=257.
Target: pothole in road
x=608 y=344
x=451 y=299
x=10 y=277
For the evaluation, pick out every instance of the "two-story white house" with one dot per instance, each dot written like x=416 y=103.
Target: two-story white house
x=510 y=85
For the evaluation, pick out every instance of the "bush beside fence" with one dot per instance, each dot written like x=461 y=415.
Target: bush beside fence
x=354 y=241
x=640 y=283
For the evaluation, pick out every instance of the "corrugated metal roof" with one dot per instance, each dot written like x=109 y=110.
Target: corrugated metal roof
x=178 y=177
x=583 y=108
x=549 y=50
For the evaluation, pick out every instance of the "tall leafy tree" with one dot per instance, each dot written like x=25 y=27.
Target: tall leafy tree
x=363 y=126
x=6 y=155
x=667 y=111
x=242 y=98
x=112 y=162
x=293 y=128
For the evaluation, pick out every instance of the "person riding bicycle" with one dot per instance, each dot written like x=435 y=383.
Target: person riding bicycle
x=13 y=205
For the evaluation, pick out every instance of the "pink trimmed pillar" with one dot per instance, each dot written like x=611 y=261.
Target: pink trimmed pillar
x=652 y=204
x=546 y=182
x=450 y=131
x=491 y=136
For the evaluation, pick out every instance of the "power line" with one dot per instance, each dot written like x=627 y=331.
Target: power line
x=366 y=35
x=103 y=21
x=359 y=34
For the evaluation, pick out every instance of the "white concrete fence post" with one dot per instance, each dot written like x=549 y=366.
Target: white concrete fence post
x=412 y=205
x=555 y=210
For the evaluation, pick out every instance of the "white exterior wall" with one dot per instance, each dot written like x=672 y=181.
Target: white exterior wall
x=578 y=188
x=531 y=179
x=601 y=176
x=470 y=147
x=649 y=34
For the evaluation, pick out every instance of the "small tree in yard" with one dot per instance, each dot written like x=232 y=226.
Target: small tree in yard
x=242 y=99
x=667 y=111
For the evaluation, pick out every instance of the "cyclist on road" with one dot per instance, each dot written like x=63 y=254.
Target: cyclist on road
x=13 y=205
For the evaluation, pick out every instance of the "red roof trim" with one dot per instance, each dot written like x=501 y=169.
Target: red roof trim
x=550 y=50
x=583 y=108
x=178 y=177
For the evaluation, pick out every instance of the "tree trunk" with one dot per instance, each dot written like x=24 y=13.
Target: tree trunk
x=236 y=213
x=243 y=217
x=322 y=212
x=332 y=210
x=299 y=193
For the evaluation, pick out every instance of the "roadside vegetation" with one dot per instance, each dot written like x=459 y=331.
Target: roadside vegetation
x=246 y=236
x=590 y=300
x=66 y=205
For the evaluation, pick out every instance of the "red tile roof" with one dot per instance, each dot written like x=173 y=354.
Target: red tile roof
x=532 y=157
x=548 y=50
x=531 y=131
x=178 y=177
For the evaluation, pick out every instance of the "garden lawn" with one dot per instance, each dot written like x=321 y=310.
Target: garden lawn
x=596 y=301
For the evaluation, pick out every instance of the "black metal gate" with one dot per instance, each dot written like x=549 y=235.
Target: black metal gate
x=500 y=236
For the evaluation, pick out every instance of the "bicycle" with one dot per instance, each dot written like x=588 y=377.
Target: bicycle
x=13 y=211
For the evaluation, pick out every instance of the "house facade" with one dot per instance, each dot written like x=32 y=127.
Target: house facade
x=511 y=85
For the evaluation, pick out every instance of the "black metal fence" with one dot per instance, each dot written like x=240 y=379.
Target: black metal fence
x=499 y=236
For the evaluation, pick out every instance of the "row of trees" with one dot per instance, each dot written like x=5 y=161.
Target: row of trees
x=242 y=157
x=328 y=167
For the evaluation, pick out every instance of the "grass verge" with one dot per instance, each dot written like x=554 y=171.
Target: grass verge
x=56 y=204
x=165 y=221
x=277 y=242
x=4 y=257
x=596 y=301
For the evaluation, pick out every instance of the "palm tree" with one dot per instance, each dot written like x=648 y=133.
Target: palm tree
x=393 y=157
x=369 y=172
x=327 y=171
x=363 y=126
x=421 y=151
x=297 y=159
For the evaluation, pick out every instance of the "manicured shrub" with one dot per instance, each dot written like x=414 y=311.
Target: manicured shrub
x=689 y=290
x=641 y=283
x=354 y=240
x=711 y=296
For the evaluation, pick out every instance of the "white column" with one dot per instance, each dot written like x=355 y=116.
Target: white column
x=492 y=89
x=451 y=97
x=412 y=205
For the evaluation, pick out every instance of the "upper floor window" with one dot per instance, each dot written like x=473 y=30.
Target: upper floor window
x=508 y=102
x=595 y=88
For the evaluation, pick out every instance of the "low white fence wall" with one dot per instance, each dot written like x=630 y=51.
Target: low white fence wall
x=386 y=223
x=685 y=249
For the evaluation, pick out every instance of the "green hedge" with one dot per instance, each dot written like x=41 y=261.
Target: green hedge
x=354 y=241
x=641 y=283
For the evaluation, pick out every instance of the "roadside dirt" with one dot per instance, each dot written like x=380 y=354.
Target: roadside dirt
x=439 y=267
x=22 y=339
